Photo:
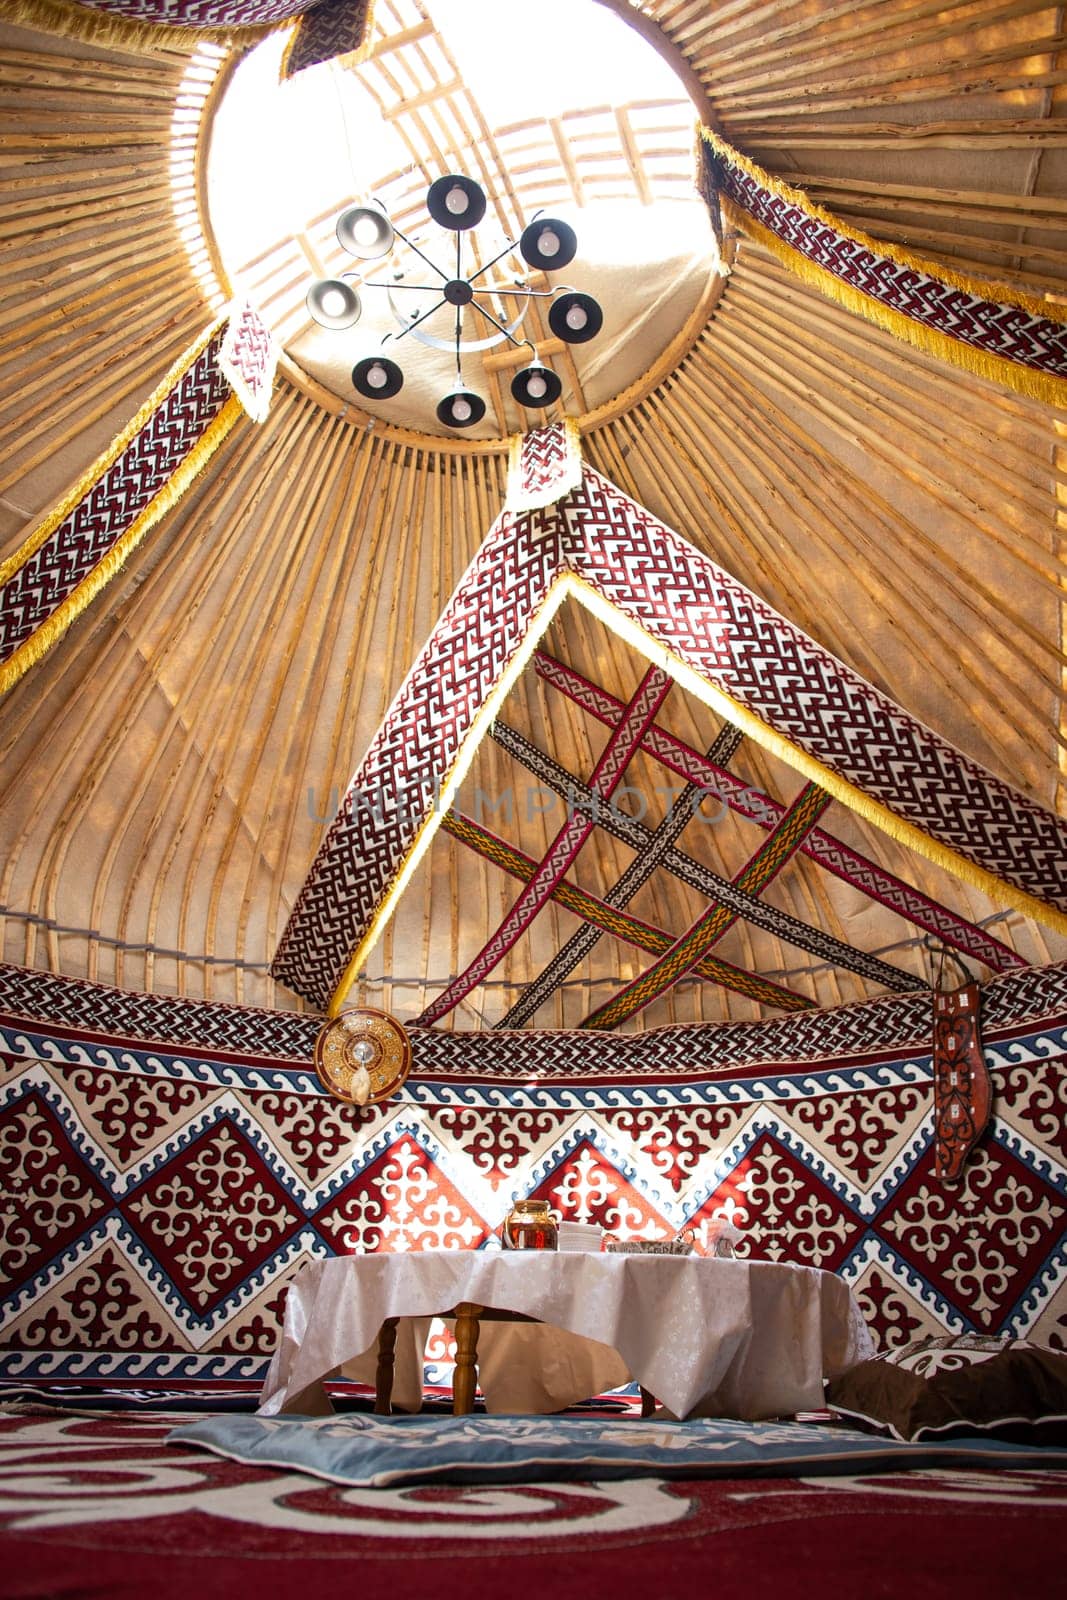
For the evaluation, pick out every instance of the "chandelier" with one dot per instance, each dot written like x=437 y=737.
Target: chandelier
x=457 y=203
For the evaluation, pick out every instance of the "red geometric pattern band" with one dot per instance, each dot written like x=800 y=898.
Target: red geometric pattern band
x=603 y=917
x=328 y=30
x=624 y=743
x=200 y=13
x=75 y=550
x=651 y=852
x=830 y=852
x=685 y=604
x=1008 y=336
x=543 y=466
x=710 y=926
x=325 y=29
x=229 y=1032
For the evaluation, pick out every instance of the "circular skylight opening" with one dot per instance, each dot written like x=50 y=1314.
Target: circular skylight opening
x=597 y=136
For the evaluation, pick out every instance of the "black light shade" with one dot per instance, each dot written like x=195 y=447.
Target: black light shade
x=333 y=303
x=548 y=244
x=536 y=386
x=376 y=378
x=455 y=202
x=366 y=232
x=461 y=409
x=575 y=317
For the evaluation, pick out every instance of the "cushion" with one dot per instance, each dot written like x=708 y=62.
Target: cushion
x=951 y=1384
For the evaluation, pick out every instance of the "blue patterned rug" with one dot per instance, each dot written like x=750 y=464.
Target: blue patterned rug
x=381 y=1452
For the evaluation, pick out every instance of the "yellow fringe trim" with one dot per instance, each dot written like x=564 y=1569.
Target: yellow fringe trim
x=873 y=811
x=481 y=723
x=350 y=58
x=107 y=459
x=72 y=21
x=1037 y=385
x=987 y=289
x=1043 y=386
x=71 y=608
x=515 y=500
x=569 y=586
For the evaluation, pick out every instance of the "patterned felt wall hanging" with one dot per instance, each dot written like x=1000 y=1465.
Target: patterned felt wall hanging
x=78 y=547
x=324 y=28
x=726 y=646
x=166 y=1166
x=987 y=328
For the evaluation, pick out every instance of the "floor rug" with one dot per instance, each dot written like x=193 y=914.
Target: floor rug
x=103 y=1506
x=380 y=1452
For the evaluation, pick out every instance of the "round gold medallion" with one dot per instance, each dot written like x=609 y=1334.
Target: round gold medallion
x=363 y=1055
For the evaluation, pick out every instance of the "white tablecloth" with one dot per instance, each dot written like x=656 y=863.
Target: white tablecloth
x=708 y=1337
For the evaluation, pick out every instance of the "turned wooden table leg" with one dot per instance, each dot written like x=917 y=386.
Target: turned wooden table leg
x=383 y=1377
x=463 y=1381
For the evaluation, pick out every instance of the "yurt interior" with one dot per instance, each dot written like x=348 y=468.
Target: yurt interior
x=533 y=798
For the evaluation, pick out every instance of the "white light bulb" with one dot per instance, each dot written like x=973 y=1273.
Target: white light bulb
x=548 y=242
x=365 y=231
x=536 y=386
x=577 y=317
x=461 y=410
x=334 y=303
x=377 y=377
x=457 y=201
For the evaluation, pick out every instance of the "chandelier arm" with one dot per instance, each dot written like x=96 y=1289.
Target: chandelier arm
x=511 y=244
x=416 y=320
x=372 y=283
x=538 y=294
x=508 y=248
x=518 y=343
x=421 y=255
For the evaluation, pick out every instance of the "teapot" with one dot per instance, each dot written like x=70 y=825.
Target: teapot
x=530 y=1225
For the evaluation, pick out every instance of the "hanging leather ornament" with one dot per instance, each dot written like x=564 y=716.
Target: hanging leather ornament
x=963 y=1094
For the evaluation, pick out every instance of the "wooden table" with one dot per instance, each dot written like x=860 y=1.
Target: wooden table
x=468 y=1321
x=543 y=1330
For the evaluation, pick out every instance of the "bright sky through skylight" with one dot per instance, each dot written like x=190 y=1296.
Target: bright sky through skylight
x=527 y=60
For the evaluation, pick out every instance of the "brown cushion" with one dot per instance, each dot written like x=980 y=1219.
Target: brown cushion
x=950 y=1384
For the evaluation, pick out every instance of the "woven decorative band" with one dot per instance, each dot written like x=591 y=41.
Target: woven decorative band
x=281 y=1039
x=324 y=28
x=709 y=927
x=543 y=466
x=79 y=546
x=653 y=850
x=760 y=670
x=830 y=852
x=987 y=328
x=624 y=743
x=602 y=917
x=651 y=854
